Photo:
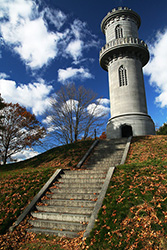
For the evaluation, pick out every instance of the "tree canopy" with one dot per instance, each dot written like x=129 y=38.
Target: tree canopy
x=21 y=130
x=162 y=130
x=74 y=114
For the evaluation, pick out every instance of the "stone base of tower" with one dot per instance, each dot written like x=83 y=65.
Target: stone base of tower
x=136 y=124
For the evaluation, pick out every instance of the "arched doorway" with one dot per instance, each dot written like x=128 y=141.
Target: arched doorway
x=126 y=130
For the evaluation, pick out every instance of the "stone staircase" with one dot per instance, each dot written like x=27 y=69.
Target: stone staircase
x=72 y=198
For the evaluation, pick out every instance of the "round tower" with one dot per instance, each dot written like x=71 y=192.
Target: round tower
x=123 y=56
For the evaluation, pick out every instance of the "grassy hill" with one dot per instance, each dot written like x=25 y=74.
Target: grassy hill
x=134 y=212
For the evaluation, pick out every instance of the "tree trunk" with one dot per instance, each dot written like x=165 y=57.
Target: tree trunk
x=5 y=156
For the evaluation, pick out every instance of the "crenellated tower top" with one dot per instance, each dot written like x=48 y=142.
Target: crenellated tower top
x=120 y=12
x=120 y=27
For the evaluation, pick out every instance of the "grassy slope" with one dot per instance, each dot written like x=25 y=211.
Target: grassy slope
x=134 y=212
x=133 y=215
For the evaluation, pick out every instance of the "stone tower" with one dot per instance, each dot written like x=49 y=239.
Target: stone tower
x=123 y=56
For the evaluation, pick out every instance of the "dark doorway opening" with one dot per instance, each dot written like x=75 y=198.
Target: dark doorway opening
x=126 y=130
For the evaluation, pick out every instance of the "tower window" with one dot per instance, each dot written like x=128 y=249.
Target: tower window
x=118 y=32
x=122 y=76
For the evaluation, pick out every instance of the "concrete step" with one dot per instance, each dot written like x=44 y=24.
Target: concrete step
x=61 y=216
x=107 y=152
x=74 y=203
x=100 y=166
x=104 y=165
x=67 y=234
x=72 y=210
x=74 y=190
x=112 y=159
x=84 y=176
x=79 y=185
x=58 y=225
x=85 y=171
x=85 y=180
x=73 y=196
x=103 y=161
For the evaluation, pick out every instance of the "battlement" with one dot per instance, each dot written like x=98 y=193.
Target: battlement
x=121 y=45
x=118 y=12
x=120 y=8
x=124 y=40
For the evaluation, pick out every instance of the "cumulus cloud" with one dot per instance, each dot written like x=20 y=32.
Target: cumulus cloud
x=104 y=101
x=156 y=68
x=55 y=17
x=33 y=96
x=100 y=108
x=79 y=39
x=73 y=73
x=74 y=49
x=3 y=75
x=24 y=30
x=24 y=154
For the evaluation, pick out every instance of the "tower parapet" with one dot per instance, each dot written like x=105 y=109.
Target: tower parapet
x=121 y=46
x=123 y=56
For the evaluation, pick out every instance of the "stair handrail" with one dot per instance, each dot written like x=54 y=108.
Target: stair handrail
x=87 y=153
x=125 y=153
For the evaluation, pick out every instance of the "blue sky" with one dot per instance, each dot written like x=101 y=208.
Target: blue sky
x=46 y=43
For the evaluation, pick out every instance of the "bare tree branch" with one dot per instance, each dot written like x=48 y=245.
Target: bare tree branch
x=74 y=114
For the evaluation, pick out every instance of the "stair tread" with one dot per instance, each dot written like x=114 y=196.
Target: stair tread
x=56 y=213
x=58 y=225
x=57 y=222
x=65 y=200
x=54 y=232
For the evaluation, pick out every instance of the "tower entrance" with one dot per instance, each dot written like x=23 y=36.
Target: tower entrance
x=126 y=130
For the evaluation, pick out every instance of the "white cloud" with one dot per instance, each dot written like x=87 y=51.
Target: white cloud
x=70 y=105
x=73 y=73
x=104 y=101
x=78 y=29
x=74 y=49
x=100 y=108
x=24 y=30
x=16 y=10
x=3 y=75
x=37 y=46
x=47 y=120
x=24 y=154
x=156 y=68
x=79 y=39
x=55 y=17
x=32 y=96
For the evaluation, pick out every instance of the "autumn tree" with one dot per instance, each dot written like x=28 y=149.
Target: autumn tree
x=162 y=130
x=74 y=114
x=103 y=136
x=21 y=130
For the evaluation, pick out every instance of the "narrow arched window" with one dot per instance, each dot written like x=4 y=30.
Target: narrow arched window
x=118 y=32
x=122 y=76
